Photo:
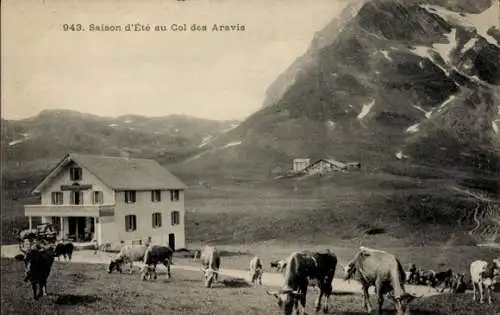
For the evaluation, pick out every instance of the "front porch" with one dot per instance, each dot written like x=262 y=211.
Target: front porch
x=74 y=222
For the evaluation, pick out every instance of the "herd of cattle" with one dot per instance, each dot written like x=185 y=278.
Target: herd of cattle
x=370 y=267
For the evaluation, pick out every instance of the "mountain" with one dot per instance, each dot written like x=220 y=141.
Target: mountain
x=391 y=79
x=35 y=143
x=406 y=87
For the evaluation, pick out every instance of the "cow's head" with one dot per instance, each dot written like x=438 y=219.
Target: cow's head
x=402 y=302
x=115 y=264
x=285 y=299
x=349 y=270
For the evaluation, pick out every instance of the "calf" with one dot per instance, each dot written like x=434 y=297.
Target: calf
x=38 y=264
x=65 y=250
x=256 y=270
x=483 y=275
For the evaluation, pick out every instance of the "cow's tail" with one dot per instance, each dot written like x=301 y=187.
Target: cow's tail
x=398 y=280
x=401 y=272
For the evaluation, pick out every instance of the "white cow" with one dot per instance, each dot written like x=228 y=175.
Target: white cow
x=256 y=270
x=483 y=276
x=127 y=254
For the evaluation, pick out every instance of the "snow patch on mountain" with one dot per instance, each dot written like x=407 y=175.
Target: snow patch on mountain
x=205 y=141
x=366 y=109
x=386 y=54
x=400 y=155
x=412 y=128
x=231 y=144
x=481 y=22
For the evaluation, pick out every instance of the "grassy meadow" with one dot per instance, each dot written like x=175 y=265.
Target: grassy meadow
x=84 y=289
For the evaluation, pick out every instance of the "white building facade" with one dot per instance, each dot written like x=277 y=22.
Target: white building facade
x=112 y=199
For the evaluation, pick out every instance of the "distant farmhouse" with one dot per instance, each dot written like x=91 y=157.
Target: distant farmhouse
x=112 y=199
x=322 y=166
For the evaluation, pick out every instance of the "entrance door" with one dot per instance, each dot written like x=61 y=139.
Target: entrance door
x=171 y=241
x=76 y=226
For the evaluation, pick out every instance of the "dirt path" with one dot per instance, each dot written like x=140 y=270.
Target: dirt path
x=269 y=278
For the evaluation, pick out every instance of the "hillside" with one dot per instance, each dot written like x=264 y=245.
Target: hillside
x=35 y=144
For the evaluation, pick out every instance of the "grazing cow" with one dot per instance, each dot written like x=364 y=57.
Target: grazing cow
x=443 y=279
x=65 y=250
x=256 y=270
x=278 y=264
x=128 y=253
x=38 y=262
x=154 y=255
x=458 y=284
x=483 y=275
x=384 y=271
x=300 y=268
x=428 y=278
x=210 y=260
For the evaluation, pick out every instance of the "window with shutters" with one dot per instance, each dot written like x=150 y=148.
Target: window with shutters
x=175 y=218
x=130 y=223
x=156 y=195
x=174 y=195
x=98 y=197
x=130 y=196
x=57 y=198
x=75 y=173
x=156 y=218
x=76 y=197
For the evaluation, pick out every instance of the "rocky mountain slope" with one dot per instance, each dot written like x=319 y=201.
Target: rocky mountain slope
x=390 y=80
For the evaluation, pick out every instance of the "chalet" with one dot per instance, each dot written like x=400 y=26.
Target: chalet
x=327 y=165
x=112 y=199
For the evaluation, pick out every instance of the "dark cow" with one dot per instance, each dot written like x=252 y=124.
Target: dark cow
x=38 y=262
x=65 y=250
x=443 y=280
x=300 y=268
x=458 y=284
x=156 y=254
x=384 y=271
x=210 y=260
x=278 y=264
x=412 y=274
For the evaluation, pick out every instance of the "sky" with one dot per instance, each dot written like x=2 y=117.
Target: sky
x=213 y=75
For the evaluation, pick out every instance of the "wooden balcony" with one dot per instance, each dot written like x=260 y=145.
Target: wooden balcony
x=69 y=210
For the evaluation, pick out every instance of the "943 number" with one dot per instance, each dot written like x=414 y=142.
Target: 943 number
x=73 y=27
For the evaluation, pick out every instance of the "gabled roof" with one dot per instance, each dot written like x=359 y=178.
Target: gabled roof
x=119 y=173
x=330 y=161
